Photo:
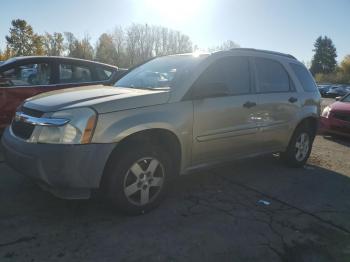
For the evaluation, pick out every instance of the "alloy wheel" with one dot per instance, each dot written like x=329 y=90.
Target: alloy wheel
x=144 y=181
x=302 y=146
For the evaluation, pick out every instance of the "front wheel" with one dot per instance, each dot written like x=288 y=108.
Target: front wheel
x=137 y=181
x=299 y=147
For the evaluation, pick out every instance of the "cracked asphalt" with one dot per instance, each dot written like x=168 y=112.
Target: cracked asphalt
x=211 y=215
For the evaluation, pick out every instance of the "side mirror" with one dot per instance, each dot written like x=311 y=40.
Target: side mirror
x=210 y=90
x=338 y=98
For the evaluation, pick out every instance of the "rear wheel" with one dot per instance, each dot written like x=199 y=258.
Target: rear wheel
x=137 y=181
x=299 y=147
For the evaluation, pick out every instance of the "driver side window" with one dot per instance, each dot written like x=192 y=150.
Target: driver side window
x=26 y=75
x=228 y=76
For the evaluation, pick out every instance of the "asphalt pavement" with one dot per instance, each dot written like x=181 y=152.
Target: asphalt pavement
x=251 y=210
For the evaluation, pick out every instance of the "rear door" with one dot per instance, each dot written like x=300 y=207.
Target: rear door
x=19 y=82
x=278 y=103
x=224 y=125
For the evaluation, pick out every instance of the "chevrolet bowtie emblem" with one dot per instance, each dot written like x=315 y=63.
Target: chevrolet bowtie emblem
x=18 y=116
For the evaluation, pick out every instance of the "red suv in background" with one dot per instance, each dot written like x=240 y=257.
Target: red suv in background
x=24 y=77
x=335 y=118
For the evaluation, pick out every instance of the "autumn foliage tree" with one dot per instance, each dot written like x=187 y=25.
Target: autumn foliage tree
x=106 y=50
x=341 y=75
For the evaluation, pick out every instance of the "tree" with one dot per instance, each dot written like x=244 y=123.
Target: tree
x=324 y=60
x=106 y=51
x=345 y=66
x=87 y=51
x=7 y=53
x=54 y=44
x=38 y=45
x=70 y=40
x=227 y=45
x=20 y=40
x=78 y=48
x=144 y=42
x=340 y=76
x=119 y=44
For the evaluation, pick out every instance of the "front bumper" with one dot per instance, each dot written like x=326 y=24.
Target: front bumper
x=67 y=171
x=334 y=126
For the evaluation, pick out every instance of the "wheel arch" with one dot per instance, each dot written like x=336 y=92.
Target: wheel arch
x=310 y=121
x=164 y=138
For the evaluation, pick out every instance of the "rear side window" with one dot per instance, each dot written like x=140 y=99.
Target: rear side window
x=69 y=73
x=272 y=77
x=304 y=77
x=103 y=73
x=233 y=72
x=26 y=75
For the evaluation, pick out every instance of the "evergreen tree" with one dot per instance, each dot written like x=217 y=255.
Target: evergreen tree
x=324 y=60
x=20 y=40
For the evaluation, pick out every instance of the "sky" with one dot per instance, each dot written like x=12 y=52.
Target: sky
x=289 y=26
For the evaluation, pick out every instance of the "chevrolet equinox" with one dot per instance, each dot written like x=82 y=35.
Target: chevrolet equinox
x=168 y=116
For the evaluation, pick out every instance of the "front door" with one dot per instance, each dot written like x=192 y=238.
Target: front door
x=224 y=125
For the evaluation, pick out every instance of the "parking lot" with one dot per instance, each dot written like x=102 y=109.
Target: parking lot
x=250 y=210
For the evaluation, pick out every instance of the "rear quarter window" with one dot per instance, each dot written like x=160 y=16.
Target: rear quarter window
x=71 y=73
x=304 y=77
x=103 y=73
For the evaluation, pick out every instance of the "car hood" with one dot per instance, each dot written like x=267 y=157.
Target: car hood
x=103 y=99
x=340 y=106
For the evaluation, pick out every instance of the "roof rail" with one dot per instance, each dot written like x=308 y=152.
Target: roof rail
x=263 y=51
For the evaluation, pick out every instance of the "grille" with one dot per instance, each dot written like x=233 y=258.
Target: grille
x=342 y=116
x=24 y=130
x=21 y=129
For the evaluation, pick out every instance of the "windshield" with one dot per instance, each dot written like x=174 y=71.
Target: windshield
x=160 y=73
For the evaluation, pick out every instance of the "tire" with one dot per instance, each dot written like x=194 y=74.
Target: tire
x=298 y=152
x=138 y=170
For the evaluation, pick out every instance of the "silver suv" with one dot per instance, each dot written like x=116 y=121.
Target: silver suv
x=168 y=116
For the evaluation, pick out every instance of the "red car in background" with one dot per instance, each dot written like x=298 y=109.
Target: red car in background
x=335 y=118
x=24 y=77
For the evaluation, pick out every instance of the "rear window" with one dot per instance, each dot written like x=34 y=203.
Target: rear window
x=304 y=77
x=272 y=76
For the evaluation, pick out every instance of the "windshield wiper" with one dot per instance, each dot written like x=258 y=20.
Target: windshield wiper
x=146 y=88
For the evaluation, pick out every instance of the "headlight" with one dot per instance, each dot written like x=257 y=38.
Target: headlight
x=78 y=130
x=326 y=111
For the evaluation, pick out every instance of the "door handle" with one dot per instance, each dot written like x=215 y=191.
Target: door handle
x=292 y=99
x=249 y=104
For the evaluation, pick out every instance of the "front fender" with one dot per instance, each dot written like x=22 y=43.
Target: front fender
x=174 y=117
